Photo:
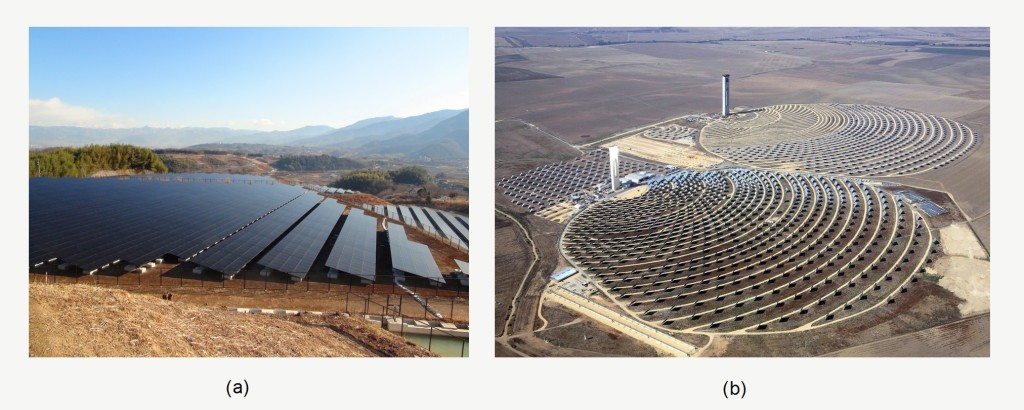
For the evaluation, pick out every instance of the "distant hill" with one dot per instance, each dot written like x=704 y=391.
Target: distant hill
x=283 y=137
x=440 y=135
x=378 y=129
x=43 y=137
x=446 y=140
x=244 y=148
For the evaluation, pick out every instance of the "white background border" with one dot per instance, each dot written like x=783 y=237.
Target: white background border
x=482 y=381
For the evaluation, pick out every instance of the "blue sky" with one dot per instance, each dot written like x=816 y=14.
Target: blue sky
x=247 y=78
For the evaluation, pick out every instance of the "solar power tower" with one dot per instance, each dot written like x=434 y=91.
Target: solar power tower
x=725 y=95
x=613 y=158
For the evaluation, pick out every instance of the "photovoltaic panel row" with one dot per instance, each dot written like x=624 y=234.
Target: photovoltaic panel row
x=233 y=253
x=355 y=251
x=462 y=220
x=423 y=222
x=144 y=215
x=411 y=257
x=91 y=222
x=407 y=215
x=379 y=209
x=441 y=226
x=393 y=213
x=461 y=231
x=295 y=253
x=463 y=266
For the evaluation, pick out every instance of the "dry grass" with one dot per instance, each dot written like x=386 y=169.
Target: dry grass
x=90 y=321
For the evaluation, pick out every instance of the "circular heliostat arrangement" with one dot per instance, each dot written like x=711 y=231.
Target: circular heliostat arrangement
x=841 y=139
x=751 y=250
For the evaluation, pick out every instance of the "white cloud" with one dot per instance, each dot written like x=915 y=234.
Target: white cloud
x=54 y=112
x=264 y=124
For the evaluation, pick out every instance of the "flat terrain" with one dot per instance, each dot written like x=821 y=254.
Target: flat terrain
x=85 y=320
x=964 y=338
x=665 y=152
x=512 y=258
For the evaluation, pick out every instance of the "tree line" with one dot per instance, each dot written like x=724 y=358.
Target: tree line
x=84 y=161
x=375 y=181
x=315 y=163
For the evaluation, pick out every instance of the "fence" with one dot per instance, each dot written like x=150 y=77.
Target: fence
x=345 y=294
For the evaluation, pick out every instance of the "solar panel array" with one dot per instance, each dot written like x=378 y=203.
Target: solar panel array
x=441 y=226
x=393 y=213
x=421 y=219
x=233 y=253
x=355 y=251
x=407 y=215
x=462 y=220
x=92 y=222
x=463 y=266
x=411 y=257
x=461 y=231
x=295 y=253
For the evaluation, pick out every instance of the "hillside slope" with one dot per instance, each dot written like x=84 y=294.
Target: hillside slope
x=85 y=320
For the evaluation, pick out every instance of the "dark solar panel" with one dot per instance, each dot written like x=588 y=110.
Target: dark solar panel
x=450 y=226
x=407 y=215
x=295 y=253
x=233 y=253
x=424 y=223
x=441 y=225
x=355 y=251
x=91 y=222
x=931 y=208
x=411 y=257
x=462 y=230
x=463 y=221
x=393 y=213
x=379 y=209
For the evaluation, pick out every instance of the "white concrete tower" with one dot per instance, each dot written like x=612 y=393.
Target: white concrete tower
x=613 y=158
x=725 y=95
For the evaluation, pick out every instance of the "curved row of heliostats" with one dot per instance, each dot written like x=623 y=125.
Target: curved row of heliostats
x=792 y=242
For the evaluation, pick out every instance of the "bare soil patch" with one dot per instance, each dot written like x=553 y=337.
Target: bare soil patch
x=84 y=320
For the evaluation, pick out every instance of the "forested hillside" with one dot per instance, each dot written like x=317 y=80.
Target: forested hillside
x=84 y=161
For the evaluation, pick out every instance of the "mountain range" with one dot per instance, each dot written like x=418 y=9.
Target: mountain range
x=438 y=135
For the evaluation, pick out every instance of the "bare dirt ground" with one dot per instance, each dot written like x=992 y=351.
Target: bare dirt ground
x=592 y=336
x=84 y=320
x=665 y=152
x=511 y=259
x=923 y=306
x=250 y=290
x=521 y=147
x=219 y=164
x=964 y=338
x=968 y=279
x=958 y=240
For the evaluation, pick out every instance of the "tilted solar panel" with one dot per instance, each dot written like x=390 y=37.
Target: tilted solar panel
x=355 y=251
x=295 y=253
x=91 y=222
x=233 y=253
x=411 y=257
